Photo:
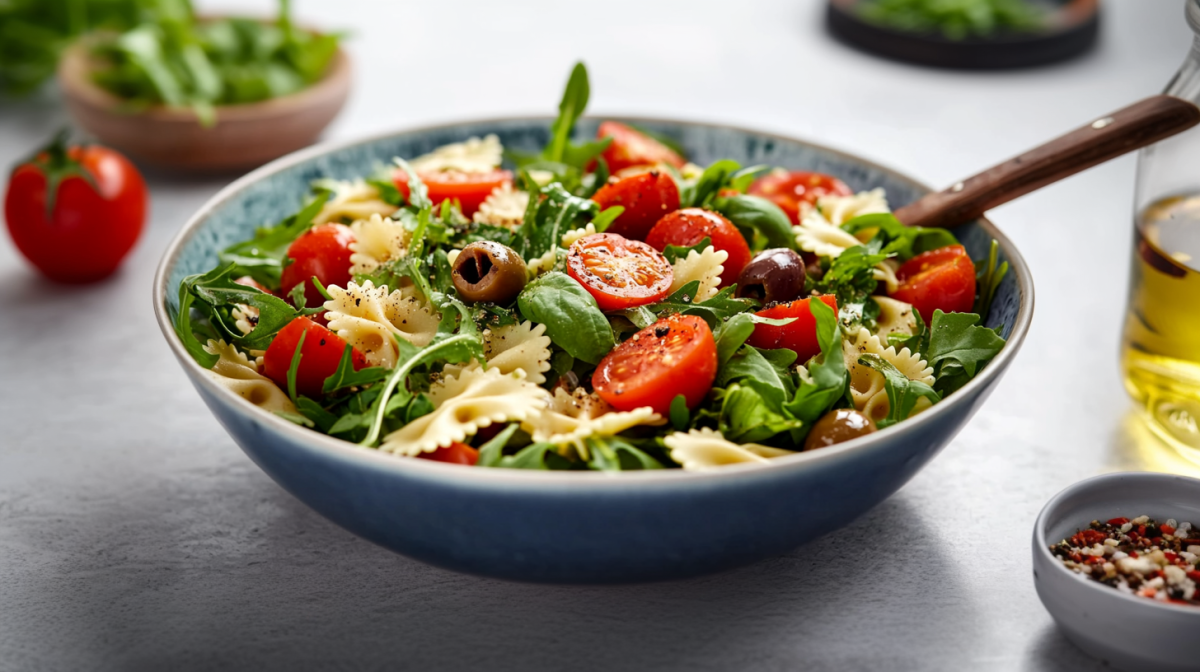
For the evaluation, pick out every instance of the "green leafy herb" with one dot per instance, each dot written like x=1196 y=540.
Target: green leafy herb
x=674 y=253
x=955 y=19
x=606 y=217
x=761 y=215
x=902 y=393
x=988 y=280
x=899 y=240
x=705 y=189
x=573 y=320
x=294 y=367
x=491 y=452
x=612 y=453
x=753 y=411
x=548 y=218
x=958 y=348
x=346 y=376
x=679 y=414
x=262 y=257
x=714 y=311
x=827 y=375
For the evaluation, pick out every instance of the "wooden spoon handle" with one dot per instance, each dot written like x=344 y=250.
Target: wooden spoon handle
x=1143 y=123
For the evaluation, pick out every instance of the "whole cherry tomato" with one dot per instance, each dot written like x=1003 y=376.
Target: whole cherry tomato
x=941 y=279
x=322 y=252
x=675 y=355
x=471 y=189
x=646 y=197
x=799 y=336
x=455 y=453
x=630 y=147
x=75 y=212
x=619 y=273
x=797 y=190
x=689 y=226
x=319 y=356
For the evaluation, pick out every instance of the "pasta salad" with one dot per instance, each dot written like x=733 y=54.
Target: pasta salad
x=600 y=305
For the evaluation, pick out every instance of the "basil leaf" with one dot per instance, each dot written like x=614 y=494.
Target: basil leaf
x=761 y=215
x=827 y=372
x=606 y=217
x=902 y=241
x=902 y=393
x=750 y=363
x=573 y=320
x=753 y=412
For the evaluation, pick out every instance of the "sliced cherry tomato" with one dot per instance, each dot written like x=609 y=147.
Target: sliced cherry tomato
x=675 y=355
x=941 y=279
x=619 y=273
x=319 y=356
x=75 y=212
x=455 y=453
x=322 y=251
x=645 y=197
x=471 y=189
x=688 y=227
x=799 y=336
x=634 y=148
x=797 y=190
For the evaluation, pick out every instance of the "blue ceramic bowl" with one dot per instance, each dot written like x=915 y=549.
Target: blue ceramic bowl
x=576 y=527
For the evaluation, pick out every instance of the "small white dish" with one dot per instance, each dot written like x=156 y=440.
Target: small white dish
x=1126 y=631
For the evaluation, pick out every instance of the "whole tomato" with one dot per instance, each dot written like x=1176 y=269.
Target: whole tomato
x=75 y=212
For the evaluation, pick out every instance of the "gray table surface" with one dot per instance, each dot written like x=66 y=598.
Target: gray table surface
x=135 y=535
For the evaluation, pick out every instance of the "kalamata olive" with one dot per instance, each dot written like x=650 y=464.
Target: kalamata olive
x=773 y=275
x=836 y=426
x=488 y=271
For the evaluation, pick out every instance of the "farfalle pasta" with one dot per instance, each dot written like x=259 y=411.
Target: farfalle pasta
x=556 y=311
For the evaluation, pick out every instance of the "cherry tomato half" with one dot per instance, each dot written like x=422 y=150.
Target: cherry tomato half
x=689 y=226
x=799 y=336
x=798 y=189
x=319 y=356
x=646 y=198
x=675 y=355
x=471 y=189
x=619 y=273
x=941 y=279
x=322 y=251
x=630 y=147
x=455 y=453
x=81 y=231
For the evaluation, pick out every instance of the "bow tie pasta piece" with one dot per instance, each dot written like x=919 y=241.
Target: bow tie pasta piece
x=815 y=234
x=504 y=207
x=885 y=272
x=704 y=266
x=476 y=155
x=838 y=210
x=573 y=235
x=376 y=240
x=543 y=264
x=352 y=201
x=234 y=372
x=463 y=405
x=569 y=418
x=367 y=316
x=867 y=384
x=705 y=448
x=513 y=347
x=895 y=317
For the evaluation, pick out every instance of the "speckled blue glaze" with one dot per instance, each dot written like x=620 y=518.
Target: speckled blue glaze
x=576 y=527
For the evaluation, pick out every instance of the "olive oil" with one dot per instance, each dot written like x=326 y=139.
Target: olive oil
x=1161 y=344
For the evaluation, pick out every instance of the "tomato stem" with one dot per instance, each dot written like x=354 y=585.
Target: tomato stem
x=56 y=164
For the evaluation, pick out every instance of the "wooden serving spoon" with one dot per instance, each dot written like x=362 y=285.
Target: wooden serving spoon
x=1141 y=124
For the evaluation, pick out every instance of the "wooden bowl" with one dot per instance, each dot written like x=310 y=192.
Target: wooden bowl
x=245 y=136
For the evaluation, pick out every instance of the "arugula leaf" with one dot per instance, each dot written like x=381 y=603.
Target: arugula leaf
x=548 y=218
x=315 y=414
x=679 y=415
x=216 y=293
x=418 y=193
x=753 y=364
x=570 y=108
x=988 y=280
x=536 y=456
x=294 y=367
x=753 y=411
x=958 y=348
x=917 y=342
x=714 y=311
x=828 y=373
x=902 y=241
x=606 y=217
x=611 y=453
x=491 y=452
x=345 y=375
x=182 y=321
x=262 y=257
x=674 y=253
x=708 y=184
x=902 y=393
x=573 y=320
x=760 y=215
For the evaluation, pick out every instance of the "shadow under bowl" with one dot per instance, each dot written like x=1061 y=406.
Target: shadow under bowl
x=1126 y=631
x=243 y=137
x=576 y=527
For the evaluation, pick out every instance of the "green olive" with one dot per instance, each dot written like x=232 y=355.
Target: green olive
x=836 y=426
x=489 y=272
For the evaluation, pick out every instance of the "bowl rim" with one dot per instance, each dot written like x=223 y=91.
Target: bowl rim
x=73 y=68
x=576 y=479
x=1099 y=484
